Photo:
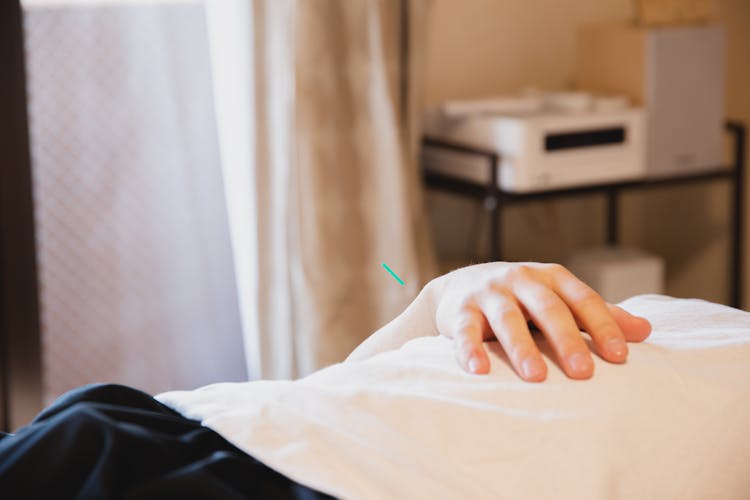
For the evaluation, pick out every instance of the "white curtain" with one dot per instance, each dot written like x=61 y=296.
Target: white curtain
x=315 y=108
x=216 y=175
x=253 y=80
x=136 y=276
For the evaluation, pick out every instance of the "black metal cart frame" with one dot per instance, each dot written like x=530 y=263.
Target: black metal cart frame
x=494 y=198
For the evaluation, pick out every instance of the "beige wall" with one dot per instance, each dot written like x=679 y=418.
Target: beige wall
x=483 y=47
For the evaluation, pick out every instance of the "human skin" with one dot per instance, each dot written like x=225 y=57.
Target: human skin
x=498 y=300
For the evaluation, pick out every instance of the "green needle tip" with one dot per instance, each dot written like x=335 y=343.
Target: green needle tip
x=401 y=282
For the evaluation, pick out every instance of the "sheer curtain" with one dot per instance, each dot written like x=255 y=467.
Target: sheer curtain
x=358 y=197
x=135 y=264
x=325 y=186
x=253 y=75
x=218 y=178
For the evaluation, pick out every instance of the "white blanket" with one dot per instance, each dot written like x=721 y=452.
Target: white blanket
x=671 y=423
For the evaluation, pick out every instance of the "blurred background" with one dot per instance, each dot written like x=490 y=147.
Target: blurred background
x=204 y=191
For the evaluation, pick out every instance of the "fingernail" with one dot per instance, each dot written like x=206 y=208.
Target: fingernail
x=579 y=362
x=473 y=365
x=617 y=347
x=532 y=368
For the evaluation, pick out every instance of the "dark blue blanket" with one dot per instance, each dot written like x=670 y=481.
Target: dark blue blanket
x=111 y=441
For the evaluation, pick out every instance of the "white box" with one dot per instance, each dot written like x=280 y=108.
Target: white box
x=677 y=74
x=618 y=273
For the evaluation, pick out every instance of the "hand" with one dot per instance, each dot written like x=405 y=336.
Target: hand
x=497 y=299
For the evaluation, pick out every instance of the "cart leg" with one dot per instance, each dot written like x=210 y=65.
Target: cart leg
x=738 y=215
x=492 y=205
x=612 y=217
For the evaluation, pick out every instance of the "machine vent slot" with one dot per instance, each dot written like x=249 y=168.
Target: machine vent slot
x=584 y=138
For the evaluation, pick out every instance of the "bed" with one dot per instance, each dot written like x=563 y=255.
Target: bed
x=673 y=422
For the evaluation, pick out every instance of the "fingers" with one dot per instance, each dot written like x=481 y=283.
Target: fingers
x=468 y=341
x=635 y=328
x=609 y=326
x=593 y=315
x=508 y=324
x=558 y=303
x=553 y=317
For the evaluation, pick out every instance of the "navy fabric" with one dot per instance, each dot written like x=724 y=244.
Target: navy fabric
x=112 y=441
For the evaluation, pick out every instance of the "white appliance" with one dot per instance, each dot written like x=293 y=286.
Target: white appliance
x=552 y=140
x=618 y=273
x=677 y=74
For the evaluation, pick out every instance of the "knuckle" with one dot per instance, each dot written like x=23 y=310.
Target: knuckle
x=505 y=312
x=499 y=306
x=463 y=343
x=520 y=272
x=606 y=331
x=465 y=325
x=547 y=304
x=522 y=351
x=490 y=295
x=467 y=305
x=495 y=286
x=504 y=304
x=462 y=324
x=569 y=346
x=557 y=269
x=583 y=294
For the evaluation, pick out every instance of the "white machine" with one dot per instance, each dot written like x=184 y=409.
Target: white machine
x=544 y=141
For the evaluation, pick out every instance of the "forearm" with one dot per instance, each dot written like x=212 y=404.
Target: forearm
x=417 y=320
